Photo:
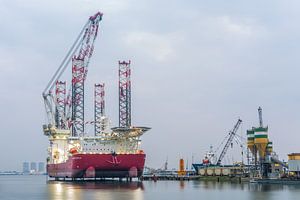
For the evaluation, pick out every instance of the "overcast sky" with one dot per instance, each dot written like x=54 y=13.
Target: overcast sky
x=197 y=66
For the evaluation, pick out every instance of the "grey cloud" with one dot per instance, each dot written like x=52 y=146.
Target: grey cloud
x=197 y=67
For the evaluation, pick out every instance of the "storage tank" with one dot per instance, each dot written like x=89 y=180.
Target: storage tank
x=181 y=165
x=181 y=171
x=202 y=171
x=226 y=171
x=270 y=147
x=250 y=140
x=261 y=140
x=210 y=171
x=218 y=171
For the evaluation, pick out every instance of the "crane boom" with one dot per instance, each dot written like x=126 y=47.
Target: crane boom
x=231 y=136
x=82 y=49
x=62 y=67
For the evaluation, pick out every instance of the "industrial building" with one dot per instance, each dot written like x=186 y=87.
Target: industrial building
x=33 y=167
x=294 y=164
x=265 y=161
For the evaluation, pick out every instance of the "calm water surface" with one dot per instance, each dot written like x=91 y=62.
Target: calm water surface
x=37 y=187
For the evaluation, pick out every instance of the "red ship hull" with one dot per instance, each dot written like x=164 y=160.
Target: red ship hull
x=99 y=166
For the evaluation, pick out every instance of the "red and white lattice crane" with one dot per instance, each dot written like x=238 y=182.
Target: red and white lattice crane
x=67 y=112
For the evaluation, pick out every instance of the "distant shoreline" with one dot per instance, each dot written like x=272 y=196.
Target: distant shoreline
x=10 y=173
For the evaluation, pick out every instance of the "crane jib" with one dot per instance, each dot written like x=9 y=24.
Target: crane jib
x=71 y=52
x=82 y=48
x=231 y=136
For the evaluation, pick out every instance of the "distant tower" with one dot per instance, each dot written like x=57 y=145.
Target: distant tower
x=33 y=167
x=166 y=165
x=26 y=169
x=41 y=167
x=260 y=117
x=60 y=97
x=99 y=112
x=181 y=171
x=124 y=94
x=261 y=136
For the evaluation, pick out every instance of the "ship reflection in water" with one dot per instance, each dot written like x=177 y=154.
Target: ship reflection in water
x=36 y=188
x=107 y=190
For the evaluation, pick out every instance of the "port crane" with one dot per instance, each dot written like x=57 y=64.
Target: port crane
x=64 y=111
x=229 y=141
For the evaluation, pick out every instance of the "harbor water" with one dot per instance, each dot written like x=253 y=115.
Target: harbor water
x=37 y=187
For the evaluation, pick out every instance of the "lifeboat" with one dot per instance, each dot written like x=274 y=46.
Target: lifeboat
x=73 y=150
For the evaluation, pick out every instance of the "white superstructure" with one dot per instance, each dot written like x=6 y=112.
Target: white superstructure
x=119 y=141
